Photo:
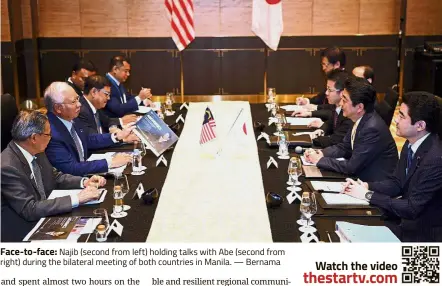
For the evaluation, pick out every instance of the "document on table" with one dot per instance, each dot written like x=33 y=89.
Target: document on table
x=107 y=156
x=305 y=162
x=143 y=109
x=300 y=121
x=335 y=187
x=342 y=199
x=63 y=193
x=292 y=107
x=312 y=172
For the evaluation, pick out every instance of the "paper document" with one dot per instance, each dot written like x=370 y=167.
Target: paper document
x=292 y=107
x=300 y=121
x=105 y=156
x=335 y=187
x=350 y=232
x=305 y=162
x=143 y=109
x=303 y=133
x=343 y=199
x=312 y=172
x=63 y=193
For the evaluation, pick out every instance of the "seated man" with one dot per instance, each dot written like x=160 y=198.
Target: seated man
x=412 y=198
x=28 y=179
x=121 y=102
x=96 y=95
x=333 y=130
x=369 y=150
x=80 y=72
x=364 y=72
x=71 y=143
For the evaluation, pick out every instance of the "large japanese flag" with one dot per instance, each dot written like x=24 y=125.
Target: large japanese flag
x=267 y=21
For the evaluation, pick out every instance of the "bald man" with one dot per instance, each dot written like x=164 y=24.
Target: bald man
x=364 y=72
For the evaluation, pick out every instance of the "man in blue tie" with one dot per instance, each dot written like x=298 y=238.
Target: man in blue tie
x=121 y=102
x=71 y=143
x=412 y=198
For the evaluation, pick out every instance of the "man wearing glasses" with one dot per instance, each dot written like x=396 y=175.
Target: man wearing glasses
x=121 y=102
x=28 y=179
x=71 y=143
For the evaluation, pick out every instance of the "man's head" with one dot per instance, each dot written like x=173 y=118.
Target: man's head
x=332 y=58
x=335 y=85
x=358 y=98
x=419 y=114
x=97 y=90
x=80 y=71
x=119 y=68
x=366 y=72
x=62 y=100
x=32 y=131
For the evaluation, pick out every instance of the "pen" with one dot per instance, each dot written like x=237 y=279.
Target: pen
x=329 y=238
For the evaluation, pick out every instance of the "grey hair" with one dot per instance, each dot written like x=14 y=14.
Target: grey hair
x=28 y=123
x=54 y=93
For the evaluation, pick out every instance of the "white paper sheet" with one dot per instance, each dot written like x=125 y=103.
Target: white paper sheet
x=343 y=199
x=305 y=162
x=327 y=186
x=106 y=156
x=292 y=107
x=63 y=193
x=143 y=109
x=300 y=120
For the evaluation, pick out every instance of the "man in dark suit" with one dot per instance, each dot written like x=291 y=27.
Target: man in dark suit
x=96 y=95
x=369 y=150
x=412 y=198
x=366 y=72
x=333 y=130
x=121 y=102
x=70 y=144
x=28 y=179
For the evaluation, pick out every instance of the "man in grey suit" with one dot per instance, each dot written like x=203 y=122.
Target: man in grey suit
x=368 y=148
x=28 y=179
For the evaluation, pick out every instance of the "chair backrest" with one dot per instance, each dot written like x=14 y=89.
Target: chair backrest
x=9 y=112
x=392 y=97
x=385 y=111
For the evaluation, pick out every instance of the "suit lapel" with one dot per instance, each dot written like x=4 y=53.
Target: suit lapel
x=420 y=154
x=62 y=133
x=361 y=124
x=90 y=113
x=119 y=88
x=83 y=138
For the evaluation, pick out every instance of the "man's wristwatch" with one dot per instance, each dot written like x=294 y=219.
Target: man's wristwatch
x=116 y=138
x=368 y=195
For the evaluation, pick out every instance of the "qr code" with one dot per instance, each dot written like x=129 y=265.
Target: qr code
x=420 y=264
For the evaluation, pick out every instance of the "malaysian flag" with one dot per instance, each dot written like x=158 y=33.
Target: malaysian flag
x=180 y=15
x=208 y=130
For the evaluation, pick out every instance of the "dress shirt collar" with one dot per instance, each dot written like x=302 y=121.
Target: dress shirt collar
x=66 y=123
x=29 y=158
x=338 y=110
x=94 y=110
x=418 y=143
x=114 y=79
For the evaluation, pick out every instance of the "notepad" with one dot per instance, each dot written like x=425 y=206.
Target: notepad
x=350 y=232
x=343 y=199
x=291 y=107
x=305 y=162
x=63 y=193
x=300 y=121
x=143 y=109
x=335 y=187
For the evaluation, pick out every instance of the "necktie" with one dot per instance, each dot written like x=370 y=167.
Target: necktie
x=409 y=159
x=77 y=143
x=335 y=119
x=38 y=179
x=353 y=134
x=97 y=121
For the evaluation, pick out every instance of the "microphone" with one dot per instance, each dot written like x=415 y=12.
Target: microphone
x=299 y=150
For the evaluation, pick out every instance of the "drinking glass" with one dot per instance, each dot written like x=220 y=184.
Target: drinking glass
x=102 y=226
x=308 y=208
x=271 y=95
x=168 y=103
x=143 y=151
x=122 y=183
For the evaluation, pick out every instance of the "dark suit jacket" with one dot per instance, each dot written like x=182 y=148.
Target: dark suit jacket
x=87 y=119
x=21 y=202
x=63 y=155
x=320 y=98
x=417 y=215
x=374 y=156
x=324 y=111
x=333 y=135
x=77 y=90
x=115 y=107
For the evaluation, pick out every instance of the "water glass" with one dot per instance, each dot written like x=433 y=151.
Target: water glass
x=103 y=225
x=308 y=208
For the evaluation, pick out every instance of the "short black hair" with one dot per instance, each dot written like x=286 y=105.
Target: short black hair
x=423 y=106
x=84 y=64
x=117 y=61
x=339 y=77
x=334 y=55
x=361 y=91
x=95 y=81
x=368 y=73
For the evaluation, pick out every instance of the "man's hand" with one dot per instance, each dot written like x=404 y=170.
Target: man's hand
x=95 y=181
x=317 y=133
x=145 y=93
x=313 y=156
x=120 y=159
x=122 y=134
x=311 y=107
x=317 y=123
x=131 y=138
x=129 y=118
x=114 y=129
x=356 y=189
x=302 y=113
x=88 y=194
x=302 y=101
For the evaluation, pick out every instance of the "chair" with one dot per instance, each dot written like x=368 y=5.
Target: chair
x=392 y=96
x=9 y=112
x=385 y=111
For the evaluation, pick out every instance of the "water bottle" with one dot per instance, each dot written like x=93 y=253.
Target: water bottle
x=282 y=145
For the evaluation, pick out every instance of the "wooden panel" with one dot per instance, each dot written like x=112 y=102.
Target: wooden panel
x=379 y=17
x=207 y=18
x=60 y=18
x=102 y=18
x=6 y=33
x=297 y=16
x=338 y=17
x=201 y=72
x=424 y=17
x=147 y=19
x=7 y=79
x=101 y=60
x=236 y=18
x=26 y=18
x=56 y=66
x=383 y=62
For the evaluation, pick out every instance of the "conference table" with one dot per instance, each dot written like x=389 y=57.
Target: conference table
x=137 y=224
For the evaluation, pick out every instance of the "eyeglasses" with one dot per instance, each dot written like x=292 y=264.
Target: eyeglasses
x=332 y=90
x=77 y=99
x=107 y=93
x=46 y=134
